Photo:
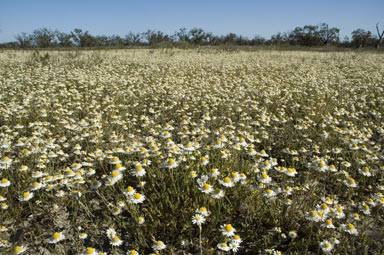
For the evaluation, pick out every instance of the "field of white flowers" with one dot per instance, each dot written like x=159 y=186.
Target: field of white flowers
x=191 y=152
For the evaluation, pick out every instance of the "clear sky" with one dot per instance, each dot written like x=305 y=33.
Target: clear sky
x=243 y=17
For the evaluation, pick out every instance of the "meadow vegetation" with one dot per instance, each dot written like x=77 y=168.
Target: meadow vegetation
x=194 y=151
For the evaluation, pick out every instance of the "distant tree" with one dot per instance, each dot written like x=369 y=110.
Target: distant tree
x=296 y=36
x=310 y=36
x=76 y=35
x=278 y=39
x=379 y=36
x=9 y=45
x=361 y=38
x=115 y=40
x=346 y=42
x=182 y=35
x=133 y=38
x=212 y=39
x=197 y=35
x=103 y=40
x=24 y=40
x=328 y=35
x=242 y=40
x=230 y=38
x=258 y=40
x=43 y=37
x=153 y=37
x=83 y=39
x=64 y=39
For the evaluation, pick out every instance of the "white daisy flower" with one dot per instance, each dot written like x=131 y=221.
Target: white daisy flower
x=26 y=196
x=227 y=230
x=349 y=228
x=56 y=237
x=198 y=219
x=137 y=198
x=224 y=246
x=326 y=246
x=158 y=246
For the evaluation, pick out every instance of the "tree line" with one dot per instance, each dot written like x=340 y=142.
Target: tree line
x=309 y=35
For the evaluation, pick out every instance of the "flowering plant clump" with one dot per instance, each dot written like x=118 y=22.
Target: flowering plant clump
x=191 y=152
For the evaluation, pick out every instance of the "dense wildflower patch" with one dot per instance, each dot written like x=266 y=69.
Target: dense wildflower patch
x=113 y=151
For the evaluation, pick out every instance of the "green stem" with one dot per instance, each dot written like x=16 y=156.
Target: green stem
x=201 y=248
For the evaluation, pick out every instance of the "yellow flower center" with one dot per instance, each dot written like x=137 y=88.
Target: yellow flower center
x=116 y=239
x=224 y=244
x=328 y=221
x=159 y=243
x=139 y=168
x=4 y=180
x=18 y=248
x=228 y=228
x=137 y=196
x=90 y=250
x=56 y=235
x=129 y=189
x=171 y=161
x=264 y=176
x=207 y=186
x=203 y=159
x=327 y=245
x=350 y=226
x=133 y=252
x=115 y=174
x=227 y=180
x=26 y=194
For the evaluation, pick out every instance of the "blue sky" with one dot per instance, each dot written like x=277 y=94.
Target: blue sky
x=244 y=17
